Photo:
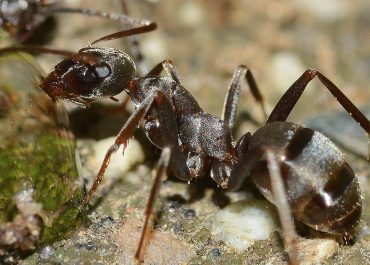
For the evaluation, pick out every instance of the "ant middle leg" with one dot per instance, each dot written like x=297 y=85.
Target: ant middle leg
x=233 y=93
x=161 y=172
x=232 y=97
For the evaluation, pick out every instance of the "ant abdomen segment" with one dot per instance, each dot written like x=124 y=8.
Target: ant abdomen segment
x=322 y=189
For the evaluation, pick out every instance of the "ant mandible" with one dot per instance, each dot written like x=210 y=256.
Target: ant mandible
x=296 y=168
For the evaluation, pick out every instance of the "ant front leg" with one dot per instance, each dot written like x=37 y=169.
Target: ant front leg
x=122 y=139
x=160 y=127
x=292 y=95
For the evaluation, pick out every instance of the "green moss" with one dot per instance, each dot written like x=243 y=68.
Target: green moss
x=48 y=165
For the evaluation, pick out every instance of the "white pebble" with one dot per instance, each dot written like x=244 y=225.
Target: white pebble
x=242 y=223
x=119 y=164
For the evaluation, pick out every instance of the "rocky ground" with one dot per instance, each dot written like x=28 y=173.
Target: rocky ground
x=198 y=223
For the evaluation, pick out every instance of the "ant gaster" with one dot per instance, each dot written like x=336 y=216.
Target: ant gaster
x=296 y=168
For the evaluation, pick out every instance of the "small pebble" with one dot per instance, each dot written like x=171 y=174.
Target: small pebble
x=216 y=252
x=46 y=253
x=88 y=245
x=119 y=164
x=242 y=223
x=188 y=213
x=178 y=228
x=313 y=251
x=106 y=221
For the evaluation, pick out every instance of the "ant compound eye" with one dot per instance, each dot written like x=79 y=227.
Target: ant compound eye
x=102 y=71
x=96 y=73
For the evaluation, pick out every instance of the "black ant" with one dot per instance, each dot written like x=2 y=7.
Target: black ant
x=296 y=168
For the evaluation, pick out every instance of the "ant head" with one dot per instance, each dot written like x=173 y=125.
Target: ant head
x=90 y=74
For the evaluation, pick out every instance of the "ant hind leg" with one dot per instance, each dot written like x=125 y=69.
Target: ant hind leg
x=239 y=174
x=287 y=102
x=281 y=202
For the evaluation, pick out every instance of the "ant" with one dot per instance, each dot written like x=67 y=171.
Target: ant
x=298 y=169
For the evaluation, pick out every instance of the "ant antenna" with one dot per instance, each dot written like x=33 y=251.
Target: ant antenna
x=129 y=32
x=137 y=26
x=36 y=50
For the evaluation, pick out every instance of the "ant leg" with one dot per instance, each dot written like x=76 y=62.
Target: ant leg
x=256 y=91
x=198 y=164
x=294 y=92
x=161 y=171
x=161 y=127
x=36 y=50
x=281 y=202
x=122 y=138
x=170 y=69
x=232 y=97
x=240 y=171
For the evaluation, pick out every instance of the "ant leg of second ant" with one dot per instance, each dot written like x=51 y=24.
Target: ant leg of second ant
x=294 y=92
x=36 y=50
